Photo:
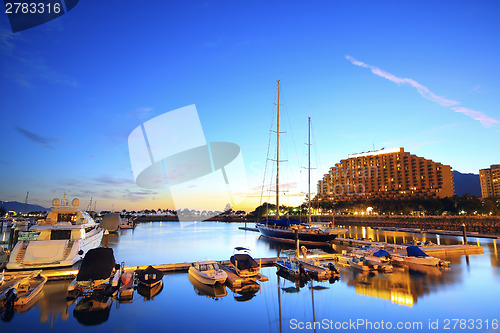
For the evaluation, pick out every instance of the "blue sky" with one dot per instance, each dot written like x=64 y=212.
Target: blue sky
x=420 y=75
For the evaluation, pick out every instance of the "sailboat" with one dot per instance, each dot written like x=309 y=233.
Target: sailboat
x=286 y=229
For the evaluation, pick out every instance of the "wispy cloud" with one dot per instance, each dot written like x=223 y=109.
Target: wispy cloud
x=477 y=89
x=485 y=120
x=422 y=90
x=46 y=142
x=110 y=180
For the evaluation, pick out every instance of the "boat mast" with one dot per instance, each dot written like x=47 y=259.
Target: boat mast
x=309 y=175
x=278 y=158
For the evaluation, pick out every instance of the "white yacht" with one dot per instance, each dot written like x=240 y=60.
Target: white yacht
x=62 y=239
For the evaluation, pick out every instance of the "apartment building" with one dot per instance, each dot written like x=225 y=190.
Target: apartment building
x=386 y=174
x=490 y=181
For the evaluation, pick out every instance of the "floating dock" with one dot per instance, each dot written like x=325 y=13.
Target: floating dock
x=429 y=249
x=67 y=274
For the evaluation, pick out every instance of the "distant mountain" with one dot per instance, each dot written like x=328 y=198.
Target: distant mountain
x=19 y=207
x=466 y=183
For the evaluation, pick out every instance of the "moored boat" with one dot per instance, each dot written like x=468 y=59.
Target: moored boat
x=416 y=255
x=207 y=272
x=286 y=229
x=150 y=276
x=149 y=293
x=243 y=264
x=95 y=273
x=319 y=270
x=375 y=257
x=62 y=239
x=126 y=289
x=28 y=288
x=291 y=266
x=361 y=264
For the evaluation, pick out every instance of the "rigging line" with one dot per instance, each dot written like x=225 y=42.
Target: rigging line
x=319 y=164
x=289 y=173
x=268 y=148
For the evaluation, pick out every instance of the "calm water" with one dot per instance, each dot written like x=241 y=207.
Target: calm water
x=469 y=290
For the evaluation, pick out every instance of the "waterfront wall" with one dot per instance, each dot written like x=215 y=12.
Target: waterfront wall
x=483 y=225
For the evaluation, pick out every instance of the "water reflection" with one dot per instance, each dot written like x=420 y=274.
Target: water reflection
x=246 y=292
x=149 y=293
x=53 y=305
x=215 y=292
x=93 y=309
x=412 y=291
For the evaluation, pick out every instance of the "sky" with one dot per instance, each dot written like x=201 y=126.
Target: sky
x=423 y=75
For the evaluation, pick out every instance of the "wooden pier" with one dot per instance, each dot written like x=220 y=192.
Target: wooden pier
x=67 y=274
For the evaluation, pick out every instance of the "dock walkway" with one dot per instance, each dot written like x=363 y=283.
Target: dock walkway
x=429 y=249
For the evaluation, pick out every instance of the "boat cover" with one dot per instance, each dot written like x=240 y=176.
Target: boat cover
x=415 y=251
x=381 y=253
x=97 y=265
x=283 y=222
x=149 y=276
x=244 y=261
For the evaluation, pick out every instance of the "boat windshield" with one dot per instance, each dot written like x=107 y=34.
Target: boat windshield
x=209 y=267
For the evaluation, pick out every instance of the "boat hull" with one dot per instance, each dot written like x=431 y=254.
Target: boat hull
x=288 y=235
x=78 y=246
x=207 y=280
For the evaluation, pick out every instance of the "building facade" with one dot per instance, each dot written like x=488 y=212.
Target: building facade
x=386 y=174
x=490 y=181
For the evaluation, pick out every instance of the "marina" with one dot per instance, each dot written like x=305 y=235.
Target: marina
x=401 y=288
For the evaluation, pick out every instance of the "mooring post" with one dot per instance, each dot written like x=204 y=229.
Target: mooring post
x=464 y=230
x=297 y=242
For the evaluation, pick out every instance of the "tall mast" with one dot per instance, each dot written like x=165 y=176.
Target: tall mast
x=278 y=158
x=309 y=174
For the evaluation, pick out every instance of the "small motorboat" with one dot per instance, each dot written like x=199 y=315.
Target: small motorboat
x=128 y=223
x=126 y=289
x=415 y=255
x=243 y=264
x=95 y=272
x=207 y=272
x=28 y=288
x=150 y=276
x=376 y=257
x=316 y=268
x=292 y=266
x=361 y=264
